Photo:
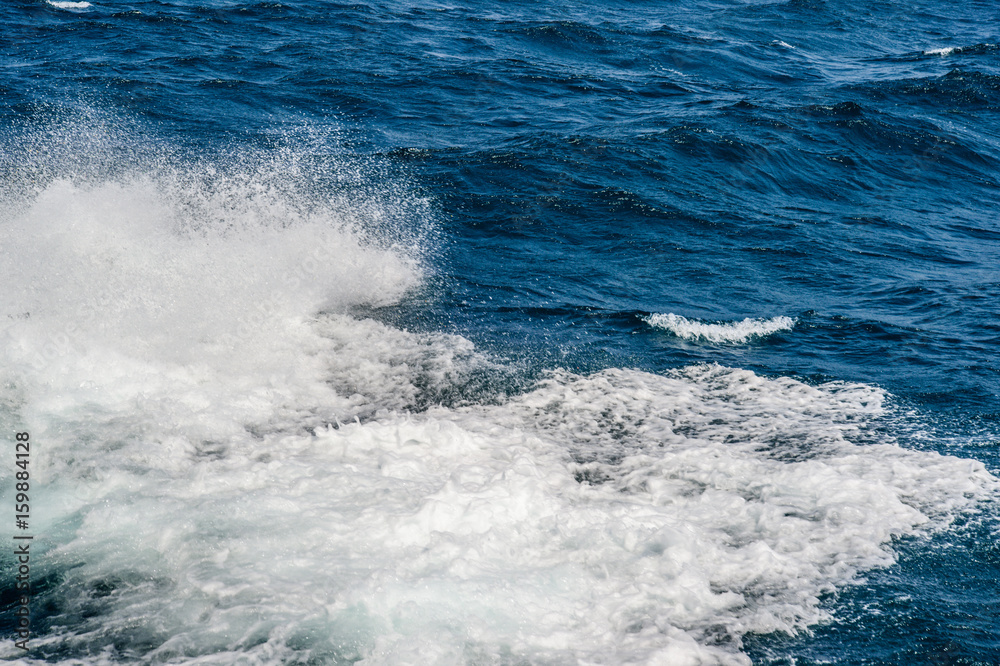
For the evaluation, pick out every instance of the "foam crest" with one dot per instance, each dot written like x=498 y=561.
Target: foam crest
x=65 y=4
x=729 y=332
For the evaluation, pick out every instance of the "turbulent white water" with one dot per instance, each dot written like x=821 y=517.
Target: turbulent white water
x=229 y=467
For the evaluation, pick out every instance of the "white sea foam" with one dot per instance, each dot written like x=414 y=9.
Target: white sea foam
x=63 y=4
x=621 y=517
x=206 y=262
x=736 y=331
x=942 y=51
x=231 y=468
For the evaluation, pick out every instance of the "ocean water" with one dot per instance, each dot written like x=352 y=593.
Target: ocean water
x=512 y=333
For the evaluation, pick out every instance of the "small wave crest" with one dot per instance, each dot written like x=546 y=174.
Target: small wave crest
x=65 y=4
x=736 y=331
x=974 y=49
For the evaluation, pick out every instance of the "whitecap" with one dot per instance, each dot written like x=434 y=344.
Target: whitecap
x=736 y=331
x=67 y=4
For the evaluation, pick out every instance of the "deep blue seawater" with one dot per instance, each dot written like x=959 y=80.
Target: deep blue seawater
x=504 y=191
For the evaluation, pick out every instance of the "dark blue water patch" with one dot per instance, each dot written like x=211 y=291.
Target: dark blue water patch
x=60 y=599
x=41 y=604
x=938 y=605
x=960 y=91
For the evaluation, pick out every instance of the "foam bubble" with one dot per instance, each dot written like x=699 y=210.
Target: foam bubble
x=737 y=331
